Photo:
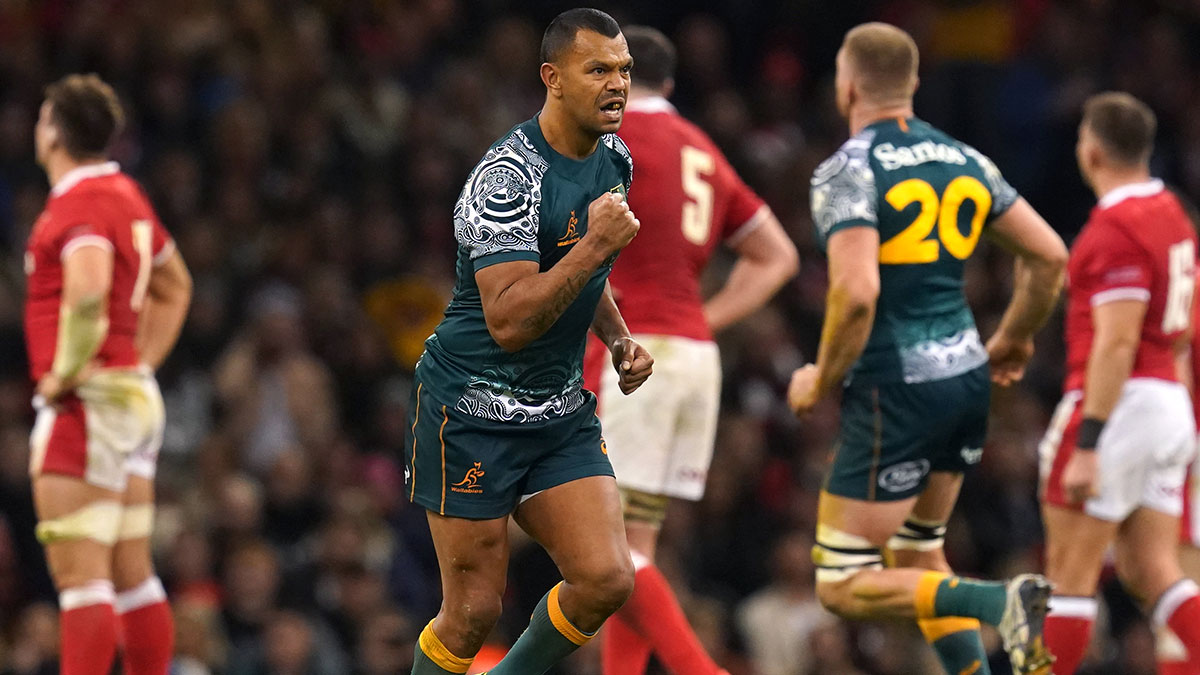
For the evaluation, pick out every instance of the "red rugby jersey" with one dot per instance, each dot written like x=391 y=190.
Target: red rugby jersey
x=1138 y=244
x=688 y=199
x=93 y=205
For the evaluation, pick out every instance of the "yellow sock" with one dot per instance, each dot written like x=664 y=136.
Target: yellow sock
x=433 y=658
x=957 y=642
x=926 y=594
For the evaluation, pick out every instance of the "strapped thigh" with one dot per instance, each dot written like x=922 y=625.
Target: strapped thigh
x=99 y=521
x=137 y=522
x=840 y=555
x=644 y=507
x=917 y=534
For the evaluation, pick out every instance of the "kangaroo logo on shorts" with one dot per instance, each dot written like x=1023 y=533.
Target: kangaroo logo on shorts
x=903 y=476
x=971 y=455
x=470 y=483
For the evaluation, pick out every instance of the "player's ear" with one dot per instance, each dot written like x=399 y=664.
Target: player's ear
x=1095 y=157
x=552 y=78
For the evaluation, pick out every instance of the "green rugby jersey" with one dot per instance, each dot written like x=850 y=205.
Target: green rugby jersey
x=523 y=201
x=930 y=196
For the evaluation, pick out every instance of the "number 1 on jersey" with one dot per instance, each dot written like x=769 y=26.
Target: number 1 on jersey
x=143 y=243
x=696 y=218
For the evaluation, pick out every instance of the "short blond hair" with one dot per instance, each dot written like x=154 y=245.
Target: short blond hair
x=884 y=60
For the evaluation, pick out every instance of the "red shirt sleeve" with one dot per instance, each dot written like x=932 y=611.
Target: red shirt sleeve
x=76 y=228
x=1117 y=268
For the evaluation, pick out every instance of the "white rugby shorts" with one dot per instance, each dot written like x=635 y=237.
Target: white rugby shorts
x=1143 y=452
x=109 y=428
x=660 y=438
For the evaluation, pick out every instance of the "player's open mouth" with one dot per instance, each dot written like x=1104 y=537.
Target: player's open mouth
x=613 y=110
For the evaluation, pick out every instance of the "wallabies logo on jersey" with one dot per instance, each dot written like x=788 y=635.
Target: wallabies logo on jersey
x=572 y=236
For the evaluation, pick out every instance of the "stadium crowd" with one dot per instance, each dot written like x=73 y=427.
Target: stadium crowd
x=306 y=156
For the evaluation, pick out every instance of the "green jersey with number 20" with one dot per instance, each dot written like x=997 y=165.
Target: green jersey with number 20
x=930 y=196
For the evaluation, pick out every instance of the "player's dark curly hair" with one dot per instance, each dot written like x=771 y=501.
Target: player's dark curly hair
x=561 y=32
x=653 y=56
x=87 y=113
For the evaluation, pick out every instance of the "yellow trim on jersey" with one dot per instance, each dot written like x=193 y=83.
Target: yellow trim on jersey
x=437 y=652
x=561 y=622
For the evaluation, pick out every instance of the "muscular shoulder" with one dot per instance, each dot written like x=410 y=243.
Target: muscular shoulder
x=497 y=210
x=843 y=187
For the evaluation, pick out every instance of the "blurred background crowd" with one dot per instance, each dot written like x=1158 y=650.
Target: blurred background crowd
x=306 y=155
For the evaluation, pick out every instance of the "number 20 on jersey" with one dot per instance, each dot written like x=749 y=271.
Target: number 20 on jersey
x=912 y=245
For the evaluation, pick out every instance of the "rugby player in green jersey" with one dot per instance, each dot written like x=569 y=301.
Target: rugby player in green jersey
x=899 y=209
x=500 y=423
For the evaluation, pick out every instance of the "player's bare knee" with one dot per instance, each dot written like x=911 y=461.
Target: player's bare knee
x=73 y=576
x=1145 y=578
x=606 y=586
x=470 y=616
x=130 y=571
x=830 y=595
x=838 y=598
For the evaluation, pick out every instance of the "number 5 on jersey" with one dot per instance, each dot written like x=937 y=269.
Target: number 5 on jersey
x=696 y=219
x=911 y=246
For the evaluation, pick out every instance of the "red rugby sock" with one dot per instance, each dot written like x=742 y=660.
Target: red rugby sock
x=1068 y=631
x=654 y=612
x=147 y=628
x=88 y=629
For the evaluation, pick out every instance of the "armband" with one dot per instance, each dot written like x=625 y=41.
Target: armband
x=1089 y=433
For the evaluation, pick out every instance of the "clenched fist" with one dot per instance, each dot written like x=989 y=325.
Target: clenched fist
x=611 y=225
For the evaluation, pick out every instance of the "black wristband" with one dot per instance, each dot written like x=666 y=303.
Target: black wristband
x=1089 y=433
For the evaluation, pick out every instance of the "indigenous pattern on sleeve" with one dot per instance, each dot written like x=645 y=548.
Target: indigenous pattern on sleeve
x=843 y=188
x=498 y=209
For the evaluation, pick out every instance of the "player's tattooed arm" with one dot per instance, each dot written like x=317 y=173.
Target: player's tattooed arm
x=520 y=303
x=542 y=320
